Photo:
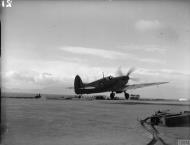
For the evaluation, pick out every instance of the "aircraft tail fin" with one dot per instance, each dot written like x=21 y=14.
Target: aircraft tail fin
x=78 y=84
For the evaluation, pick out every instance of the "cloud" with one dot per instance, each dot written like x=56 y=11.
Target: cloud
x=177 y=79
x=29 y=79
x=139 y=52
x=151 y=60
x=145 y=48
x=175 y=73
x=21 y=76
x=166 y=73
x=154 y=49
x=157 y=31
x=146 y=72
x=144 y=25
x=110 y=54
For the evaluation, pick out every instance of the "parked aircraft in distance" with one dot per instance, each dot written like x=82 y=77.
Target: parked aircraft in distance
x=109 y=84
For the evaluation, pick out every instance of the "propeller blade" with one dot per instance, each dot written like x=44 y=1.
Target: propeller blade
x=130 y=71
x=119 y=72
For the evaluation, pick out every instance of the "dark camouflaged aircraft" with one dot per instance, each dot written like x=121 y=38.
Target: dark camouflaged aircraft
x=109 y=84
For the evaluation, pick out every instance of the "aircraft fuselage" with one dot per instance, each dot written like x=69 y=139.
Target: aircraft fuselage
x=106 y=84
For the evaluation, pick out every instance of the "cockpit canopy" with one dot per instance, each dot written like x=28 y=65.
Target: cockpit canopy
x=109 y=78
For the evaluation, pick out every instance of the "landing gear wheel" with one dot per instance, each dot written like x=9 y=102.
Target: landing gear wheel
x=126 y=96
x=112 y=96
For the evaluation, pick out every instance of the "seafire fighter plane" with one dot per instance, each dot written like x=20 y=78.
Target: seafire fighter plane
x=109 y=84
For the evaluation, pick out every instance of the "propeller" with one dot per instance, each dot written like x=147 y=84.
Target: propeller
x=130 y=71
x=120 y=73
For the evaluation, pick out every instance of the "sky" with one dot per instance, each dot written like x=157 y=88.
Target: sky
x=46 y=43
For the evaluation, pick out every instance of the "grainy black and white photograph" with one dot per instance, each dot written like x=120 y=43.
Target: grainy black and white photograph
x=106 y=72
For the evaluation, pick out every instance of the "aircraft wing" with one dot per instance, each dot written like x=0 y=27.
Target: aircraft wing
x=136 y=86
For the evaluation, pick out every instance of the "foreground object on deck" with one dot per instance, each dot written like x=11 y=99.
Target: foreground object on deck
x=164 y=118
x=170 y=119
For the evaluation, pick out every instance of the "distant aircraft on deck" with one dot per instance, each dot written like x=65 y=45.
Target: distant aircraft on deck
x=109 y=84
